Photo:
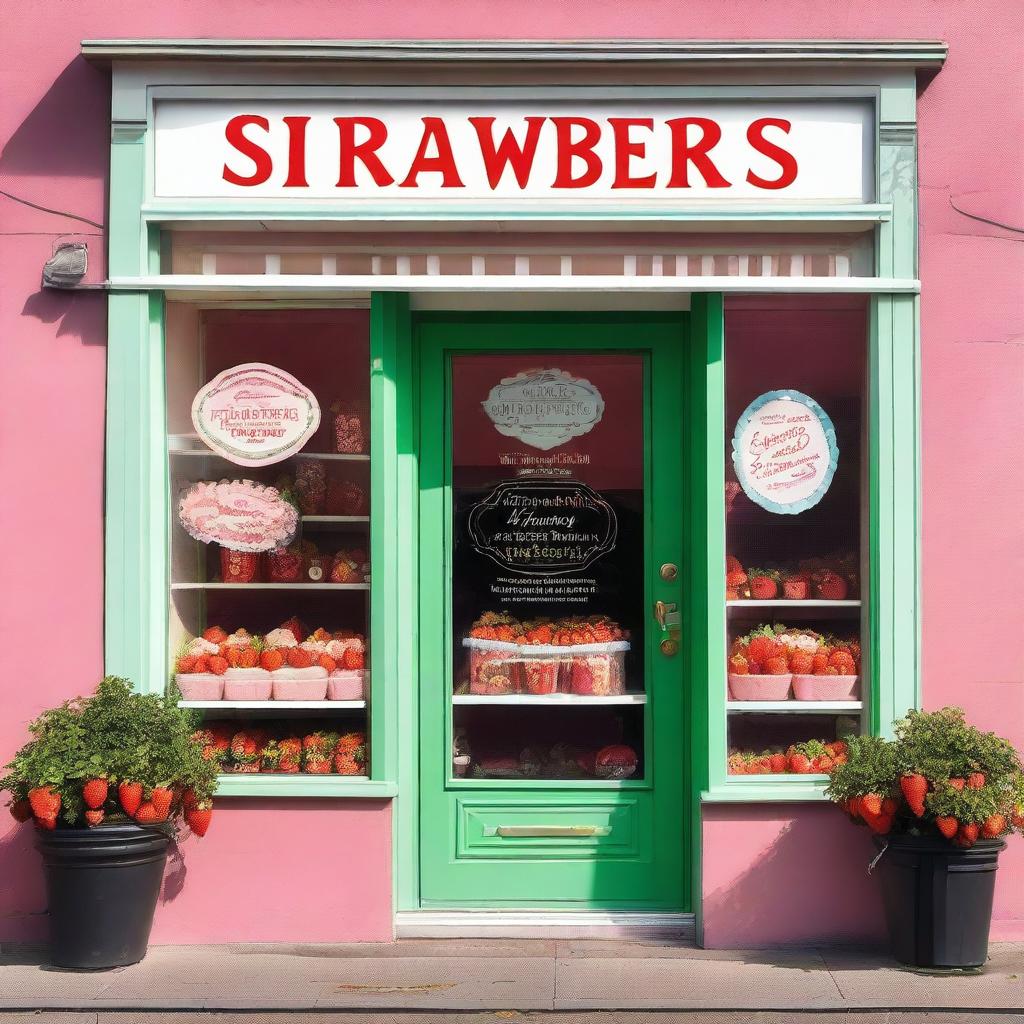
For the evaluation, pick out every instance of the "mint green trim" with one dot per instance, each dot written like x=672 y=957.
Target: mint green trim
x=304 y=786
x=806 y=789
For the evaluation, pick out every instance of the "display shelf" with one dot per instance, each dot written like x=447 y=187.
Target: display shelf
x=189 y=444
x=794 y=605
x=270 y=586
x=269 y=784
x=332 y=520
x=794 y=707
x=272 y=705
x=549 y=699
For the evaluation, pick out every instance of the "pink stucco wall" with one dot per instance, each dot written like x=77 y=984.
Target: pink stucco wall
x=53 y=129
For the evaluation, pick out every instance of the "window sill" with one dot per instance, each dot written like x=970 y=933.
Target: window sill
x=269 y=785
x=769 y=789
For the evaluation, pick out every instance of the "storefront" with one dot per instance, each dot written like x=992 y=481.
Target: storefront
x=543 y=422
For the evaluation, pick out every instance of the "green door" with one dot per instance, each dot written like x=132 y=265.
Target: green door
x=553 y=767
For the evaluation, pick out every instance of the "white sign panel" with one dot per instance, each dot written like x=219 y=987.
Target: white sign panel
x=544 y=408
x=661 y=150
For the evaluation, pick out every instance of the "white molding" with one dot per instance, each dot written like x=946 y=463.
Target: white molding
x=314 y=285
x=543 y=924
x=736 y=53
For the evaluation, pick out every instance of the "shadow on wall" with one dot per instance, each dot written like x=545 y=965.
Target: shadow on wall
x=788 y=877
x=22 y=889
x=75 y=313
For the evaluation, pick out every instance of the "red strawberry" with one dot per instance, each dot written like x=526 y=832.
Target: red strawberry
x=947 y=826
x=202 y=663
x=732 y=563
x=161 y=800
x=738 y=665
x=800 y=764
x=796 y=587
x=735 y=578
x=958 y=784
x=47 y=824
x=994 y=827
x=776 y=666
x=353 y=659
x=761 y=648
x=831 y=586
x=93 y=817
x=763 y=586
x=147 y=814
x=185 y=664
x=327 y=662
x=198 y=818
x=219 y=665
x=975 y=780
x=842 y=661
x=130 y=795
x=248 y=657
x=297 y=628
x=21 y=810
x=94 y=793
x=801 y=663
x=871 y=803
x=732 y=594
x=215 y=635
x=967 y=836
x=778 y=763
x=45 y=801
x=298 y=657
x=880 y=824
x=271 y=659
x=819 y=663
x=915 y=789
x=824 y=763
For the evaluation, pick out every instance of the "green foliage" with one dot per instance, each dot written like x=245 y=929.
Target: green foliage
x=872 y=766
x=941 y=745
x=115 y=734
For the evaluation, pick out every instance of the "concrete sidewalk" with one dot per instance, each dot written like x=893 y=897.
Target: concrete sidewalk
x=523 y=975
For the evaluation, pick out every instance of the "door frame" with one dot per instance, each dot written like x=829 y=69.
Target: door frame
x=688 y=491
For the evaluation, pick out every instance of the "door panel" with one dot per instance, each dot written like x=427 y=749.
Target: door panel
x=552 y=760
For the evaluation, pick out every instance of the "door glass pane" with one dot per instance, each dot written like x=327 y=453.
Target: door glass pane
x=548 y=519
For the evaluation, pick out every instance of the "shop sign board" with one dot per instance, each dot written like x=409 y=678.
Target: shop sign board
x=475 y=151
x=255 y=414
x=784 y=451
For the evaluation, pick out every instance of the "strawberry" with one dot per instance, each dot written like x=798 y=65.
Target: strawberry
x=738 y=665
x=147 y=814
x=45 y=801
x=732 y=594
x=93 y=817
x=776 y=666
x=291 y=755
x=800 y=764
x=801 y=663
x=47 y=824
x=958 y=784
x=824 y=764
x=871 y=803
x=831 y=586
x=737 y=765
x=185 y=664
x=842 y=661
x=327 y=662
x=215 y=635
x=732 y=563
x=198 y=818
x=796 y=587
x=880 y=824
x=994 y=826
x=94 y=793
x=271 y=660
x=248 y=657
x=202 y=663
x=967 y=836
x=975 y=780
x=353 y=659
x=130 y=795
x=947 y=826
x=161 y=800
x=763 y=585
x=735 y=578
x=915 y=789
x=819 y=663
x=298 y=657
x=761 y=648
x=219 y=665
x=836 y=747
x=778 y=763
x=298 y=630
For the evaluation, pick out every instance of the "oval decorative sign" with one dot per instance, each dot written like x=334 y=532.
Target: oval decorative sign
x=241 y=515
x=785 y=452
x=255 y=414
x=544 y=408
x=537 y=528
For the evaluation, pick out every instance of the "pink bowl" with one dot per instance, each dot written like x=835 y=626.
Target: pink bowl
x=346 y=684
x=825 y=687
x=200 y=685
x=300 y=689
x=247 y=689
x=759 y=687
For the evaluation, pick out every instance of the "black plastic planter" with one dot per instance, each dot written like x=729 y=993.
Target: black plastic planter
x=938 y=900
x=102 y=885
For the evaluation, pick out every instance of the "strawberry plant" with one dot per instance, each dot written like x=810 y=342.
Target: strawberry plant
x=108 y=757
x=939 y=776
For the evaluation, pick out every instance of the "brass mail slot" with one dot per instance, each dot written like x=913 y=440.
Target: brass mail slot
x=535 y=831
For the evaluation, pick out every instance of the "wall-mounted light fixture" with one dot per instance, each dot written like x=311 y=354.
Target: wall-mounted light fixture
x=67 y=266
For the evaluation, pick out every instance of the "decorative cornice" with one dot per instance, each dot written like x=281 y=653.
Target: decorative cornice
x=918 y=53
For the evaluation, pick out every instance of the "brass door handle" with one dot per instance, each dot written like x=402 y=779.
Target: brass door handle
x=540 y=831
x=660 y=611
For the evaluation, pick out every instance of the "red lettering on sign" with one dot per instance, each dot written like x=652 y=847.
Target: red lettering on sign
x=234 y=134
x=582 y=148
x=296 y=152
x=626 y=149
x=785 y=159
x=443 y=163
x=508 y=152
x=365 y=152
x=684 y=153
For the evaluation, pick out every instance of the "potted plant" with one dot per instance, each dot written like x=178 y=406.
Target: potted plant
x=940 y=799
x=105 y=779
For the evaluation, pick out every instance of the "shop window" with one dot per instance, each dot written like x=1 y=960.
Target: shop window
x=798 y=678
x=269 y=565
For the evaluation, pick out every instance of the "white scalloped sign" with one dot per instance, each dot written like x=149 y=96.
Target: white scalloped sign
x=255 y=414
x=242 y=515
